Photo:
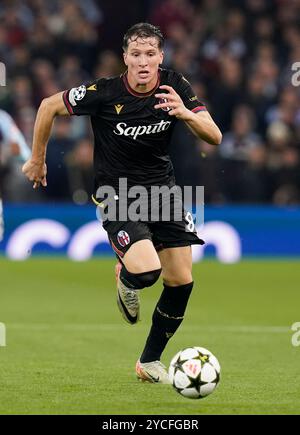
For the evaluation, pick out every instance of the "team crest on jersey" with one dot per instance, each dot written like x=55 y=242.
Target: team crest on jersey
x=123 y=238
x=77 y=94
x=164 y=100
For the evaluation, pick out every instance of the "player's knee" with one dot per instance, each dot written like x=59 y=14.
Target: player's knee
x=139 y=280
x=147 y=279
x=177 y=279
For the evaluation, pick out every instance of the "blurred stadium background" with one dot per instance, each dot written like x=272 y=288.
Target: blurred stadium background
x=238 y=55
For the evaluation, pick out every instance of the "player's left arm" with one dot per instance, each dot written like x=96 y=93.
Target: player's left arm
x=201 y=123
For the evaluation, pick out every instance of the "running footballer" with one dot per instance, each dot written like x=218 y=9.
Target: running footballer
x=133 y=117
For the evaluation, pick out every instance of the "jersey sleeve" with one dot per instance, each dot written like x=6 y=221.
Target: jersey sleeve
x=190 y=100
x=85 y=99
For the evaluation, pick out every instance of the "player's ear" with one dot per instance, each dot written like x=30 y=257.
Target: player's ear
x=161 y=57
x=125 y=57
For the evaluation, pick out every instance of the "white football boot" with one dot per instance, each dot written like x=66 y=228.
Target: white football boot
x=127 y=299
x=153 y=371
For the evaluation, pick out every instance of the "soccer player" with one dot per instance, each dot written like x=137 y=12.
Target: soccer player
x=12 y=145
x=132 y=118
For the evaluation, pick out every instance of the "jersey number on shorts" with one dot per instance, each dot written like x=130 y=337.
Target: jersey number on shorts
x=190 y=226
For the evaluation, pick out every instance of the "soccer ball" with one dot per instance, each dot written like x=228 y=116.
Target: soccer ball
x=194 y=372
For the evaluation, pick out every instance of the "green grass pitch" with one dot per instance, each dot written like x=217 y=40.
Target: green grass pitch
x=69 y=351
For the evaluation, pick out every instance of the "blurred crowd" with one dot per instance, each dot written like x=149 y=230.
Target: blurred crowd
x=238 y=55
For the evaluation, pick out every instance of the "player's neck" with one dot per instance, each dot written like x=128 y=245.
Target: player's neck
x=142 y=88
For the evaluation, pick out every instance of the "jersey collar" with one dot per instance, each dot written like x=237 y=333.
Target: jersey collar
x=140 y=94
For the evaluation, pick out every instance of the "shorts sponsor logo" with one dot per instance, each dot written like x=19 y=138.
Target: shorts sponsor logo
x=123 y=238
x=77 y=94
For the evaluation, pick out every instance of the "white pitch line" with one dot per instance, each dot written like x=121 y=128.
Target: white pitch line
x=122 y=327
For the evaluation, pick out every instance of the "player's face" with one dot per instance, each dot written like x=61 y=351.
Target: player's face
x=143 y=58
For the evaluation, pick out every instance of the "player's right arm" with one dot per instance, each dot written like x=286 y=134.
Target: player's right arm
x=35 y=168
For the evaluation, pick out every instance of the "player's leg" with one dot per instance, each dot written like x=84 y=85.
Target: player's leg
x=139 y=268
x=141 y=257
x=176 y=265
x=169 y=311
x=174 y=239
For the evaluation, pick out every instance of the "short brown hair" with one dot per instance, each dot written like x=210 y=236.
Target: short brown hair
x=143 y=30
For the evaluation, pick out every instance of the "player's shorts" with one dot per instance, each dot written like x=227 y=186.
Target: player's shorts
x=163 y=234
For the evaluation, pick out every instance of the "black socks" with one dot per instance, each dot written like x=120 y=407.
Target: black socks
x=167 y=317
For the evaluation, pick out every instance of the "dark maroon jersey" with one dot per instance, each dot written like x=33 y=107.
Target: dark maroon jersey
x=131 y=137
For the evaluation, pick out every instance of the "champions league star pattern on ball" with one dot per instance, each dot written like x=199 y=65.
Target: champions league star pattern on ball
x=194 y=372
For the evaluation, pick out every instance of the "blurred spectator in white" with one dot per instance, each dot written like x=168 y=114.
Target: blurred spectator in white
x=13 y=152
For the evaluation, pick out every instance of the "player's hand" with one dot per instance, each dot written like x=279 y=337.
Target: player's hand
x=172 y=102
x=35 y=171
